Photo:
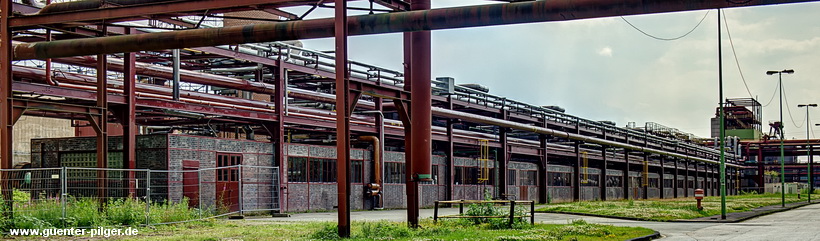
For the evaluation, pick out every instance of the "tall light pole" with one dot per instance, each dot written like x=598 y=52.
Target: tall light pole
x=722 y=132
x=808 y=143
x=782 y=135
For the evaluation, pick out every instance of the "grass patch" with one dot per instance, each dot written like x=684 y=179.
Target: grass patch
x=670 y=209
x=384 y=230
x=88 y=212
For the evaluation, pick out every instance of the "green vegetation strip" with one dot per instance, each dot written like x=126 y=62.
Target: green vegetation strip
x=384 y=230
x=670 y=209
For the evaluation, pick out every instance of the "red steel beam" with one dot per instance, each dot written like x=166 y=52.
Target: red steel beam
x=100 y=124
x=137 y=11
x=32 y=105
x=421 y=117
x=435 y=19
x=411 y=186
x=129 y=119
x=278 y=137
x=342 y=120
x=90 y=95
x=167 y=73
x=6 y=106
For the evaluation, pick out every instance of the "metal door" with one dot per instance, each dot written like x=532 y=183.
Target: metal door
x=227 y=181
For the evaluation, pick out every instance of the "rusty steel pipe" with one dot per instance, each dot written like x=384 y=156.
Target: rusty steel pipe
x=145 y=69
x=90 y=5
x=37 y=74
x=572 y=136
x=435 y=19
x=377 y=171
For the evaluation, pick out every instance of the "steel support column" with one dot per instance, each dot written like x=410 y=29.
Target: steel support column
x=686 y=179
x=576 y=173
x=811 y=171
x=761 y=177
x=543 y=196
x=645 y=181
x=342 y=120
x=626 y=174
x=176 y=63
x=128 y=119
x=6 y=105
x=278 y=138
x=675 y=177
x=602 y=177
x=411 y=187
x=662 y=179
x=450 y=153
x=698 y=185
x=101 y=123
x=420 y=62
x=503 y=161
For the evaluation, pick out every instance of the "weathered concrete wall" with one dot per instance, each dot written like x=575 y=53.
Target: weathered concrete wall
x=32 y=127
x=615 y=193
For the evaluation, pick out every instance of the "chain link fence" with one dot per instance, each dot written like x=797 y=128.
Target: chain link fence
x=89 y=197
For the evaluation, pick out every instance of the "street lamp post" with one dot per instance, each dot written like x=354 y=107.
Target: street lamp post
x=808 y=144
x=782 y=135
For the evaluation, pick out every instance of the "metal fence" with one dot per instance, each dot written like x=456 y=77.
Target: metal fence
x=206 y=192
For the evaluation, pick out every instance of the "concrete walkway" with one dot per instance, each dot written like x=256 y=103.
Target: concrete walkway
x=797 y=224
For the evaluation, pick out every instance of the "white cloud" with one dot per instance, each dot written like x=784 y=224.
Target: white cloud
x=605 y=51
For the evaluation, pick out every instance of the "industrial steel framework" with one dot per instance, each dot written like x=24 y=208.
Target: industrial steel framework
x=111 y=37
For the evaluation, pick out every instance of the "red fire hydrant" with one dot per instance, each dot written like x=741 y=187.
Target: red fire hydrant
x=699 y=196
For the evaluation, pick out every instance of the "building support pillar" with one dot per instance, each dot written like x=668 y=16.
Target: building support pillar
x=100 y=123
x=342 y=120
x=602 y=177
x=543 y=196
x=576 y=173
x=662 y=184
x=6 y=105
x=626 y=178
x=686 y=179
x=761 y=176
x=504 y=160
x=675 y=177
x=129 y=118
x=450 y=154
x=278 y=128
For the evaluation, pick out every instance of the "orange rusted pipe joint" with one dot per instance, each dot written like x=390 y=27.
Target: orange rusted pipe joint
x=377 y=170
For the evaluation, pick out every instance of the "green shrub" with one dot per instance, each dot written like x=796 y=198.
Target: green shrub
x=384 y=229
x=84 y=212
x=327 y=232
x=42 y=213
x=172 y=212
x=489 y=209
x=125 y=211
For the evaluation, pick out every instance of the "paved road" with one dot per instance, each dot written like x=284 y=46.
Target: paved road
x=798 y=224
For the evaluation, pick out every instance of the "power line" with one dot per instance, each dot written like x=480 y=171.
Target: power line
x=734 y=53
x=789 y=109
x=773 y=94
x=667 y=39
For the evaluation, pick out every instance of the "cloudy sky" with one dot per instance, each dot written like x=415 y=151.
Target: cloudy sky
x=604 y=69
